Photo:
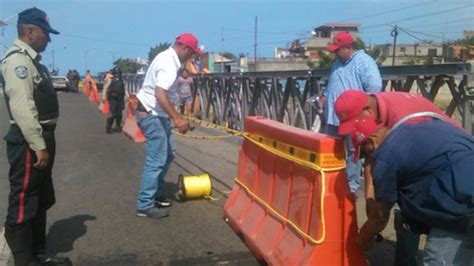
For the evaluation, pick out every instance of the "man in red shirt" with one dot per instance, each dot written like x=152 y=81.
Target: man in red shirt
x=388 y=108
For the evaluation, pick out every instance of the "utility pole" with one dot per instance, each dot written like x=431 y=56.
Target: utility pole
x=52 y=55
x=222 y=50
x=394 y=33
x=255 y=46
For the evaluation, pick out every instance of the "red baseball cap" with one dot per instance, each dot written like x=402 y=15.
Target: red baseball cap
x=348 y=107
x=189 y=40
x=341 y=39
x=362 y=130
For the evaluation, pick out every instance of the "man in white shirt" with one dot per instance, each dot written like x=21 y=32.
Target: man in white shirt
x=154 y=114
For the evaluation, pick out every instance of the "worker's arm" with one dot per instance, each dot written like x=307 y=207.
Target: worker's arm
x=163 y=100
x=376 y=221
x=369 y=184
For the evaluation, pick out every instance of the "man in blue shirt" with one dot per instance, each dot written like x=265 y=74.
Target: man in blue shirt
x=427 y=168
x=353 y=69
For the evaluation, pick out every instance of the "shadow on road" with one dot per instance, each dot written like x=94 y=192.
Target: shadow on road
x=63 y=233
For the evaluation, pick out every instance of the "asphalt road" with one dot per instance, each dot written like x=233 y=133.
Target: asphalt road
x=97 y=179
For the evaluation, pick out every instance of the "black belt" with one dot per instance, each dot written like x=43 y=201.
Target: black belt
x=48 y=127
x=141 y=108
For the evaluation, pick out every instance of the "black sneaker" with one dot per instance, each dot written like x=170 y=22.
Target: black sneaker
x=117 y=130
x=109 y=131
x=163 y=202
x=154 y=212
x=53 y=260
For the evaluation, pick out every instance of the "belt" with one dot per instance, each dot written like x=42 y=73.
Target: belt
x=140 y=107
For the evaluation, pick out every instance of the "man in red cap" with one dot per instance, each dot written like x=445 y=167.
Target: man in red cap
x=156 y=100
x=388 y=108
x=352 y=69
x=425 y=167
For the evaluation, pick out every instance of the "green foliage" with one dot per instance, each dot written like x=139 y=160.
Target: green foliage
x=326 y=59
x=127 y=65
x=465 y=42
x=157 y=49
x=429 y=60
x=228 y=55
x=359 y=44
x=375 y=53
x=311 y=64
x=409 y=62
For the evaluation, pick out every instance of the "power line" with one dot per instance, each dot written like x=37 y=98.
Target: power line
x=417 y=17
x=387 y=12
x=105 y=41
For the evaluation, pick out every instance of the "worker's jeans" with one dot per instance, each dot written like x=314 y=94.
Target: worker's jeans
x=159 y=154
x=353 y=169
x=446 y=248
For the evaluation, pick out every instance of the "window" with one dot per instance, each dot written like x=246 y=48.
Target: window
x=403 y=49
x=432 y=52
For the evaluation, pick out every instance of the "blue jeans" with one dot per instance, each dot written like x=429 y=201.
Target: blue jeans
x=353 y=169
x=446 y=248
x=160 y=149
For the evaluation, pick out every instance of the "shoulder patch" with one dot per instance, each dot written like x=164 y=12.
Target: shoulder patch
x=21 y=71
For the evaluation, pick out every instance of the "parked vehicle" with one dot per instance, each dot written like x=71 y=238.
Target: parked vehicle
x=61 y=83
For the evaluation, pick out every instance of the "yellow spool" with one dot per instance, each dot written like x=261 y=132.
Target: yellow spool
x=195 y=186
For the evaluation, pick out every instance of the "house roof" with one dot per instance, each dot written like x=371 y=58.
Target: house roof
x=339 y=25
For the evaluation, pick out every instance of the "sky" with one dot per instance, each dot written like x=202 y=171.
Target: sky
x=95 y=32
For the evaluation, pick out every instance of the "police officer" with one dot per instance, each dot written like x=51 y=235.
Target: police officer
x=32 y=104
x=114 y=92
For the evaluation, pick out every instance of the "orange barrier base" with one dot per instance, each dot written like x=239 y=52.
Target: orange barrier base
x=269 y=183
x=104 y=107
x=131 y=130
x=130 y=127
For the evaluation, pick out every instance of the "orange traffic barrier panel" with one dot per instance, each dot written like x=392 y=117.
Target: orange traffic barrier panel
x=104 y=107
x=94 y=95
x=87 y=85
x=291 y=202
x=130 y=127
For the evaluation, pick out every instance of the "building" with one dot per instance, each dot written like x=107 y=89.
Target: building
x=410 y=54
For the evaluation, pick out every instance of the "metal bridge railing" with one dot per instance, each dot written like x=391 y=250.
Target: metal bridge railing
x=226 y=98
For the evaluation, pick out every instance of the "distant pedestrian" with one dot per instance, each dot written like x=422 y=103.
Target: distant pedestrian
x=33 y=108
x=353 y=69
x=185 y=83
x=114 y=91
x=155 y=109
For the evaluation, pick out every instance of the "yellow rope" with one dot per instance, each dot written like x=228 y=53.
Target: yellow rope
x=277 y=149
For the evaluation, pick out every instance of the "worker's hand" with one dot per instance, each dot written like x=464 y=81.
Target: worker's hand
x=365 y=237
x=182 y=125
x=42 y=159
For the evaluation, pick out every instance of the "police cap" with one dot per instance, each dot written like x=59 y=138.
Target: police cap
x=36 y=17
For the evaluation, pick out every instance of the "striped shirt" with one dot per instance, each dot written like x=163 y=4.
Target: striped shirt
x=360 y=72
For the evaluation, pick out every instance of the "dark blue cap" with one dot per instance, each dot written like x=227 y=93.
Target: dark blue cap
x=36 y=17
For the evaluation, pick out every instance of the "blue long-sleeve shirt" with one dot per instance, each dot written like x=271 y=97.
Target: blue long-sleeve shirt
x=359 y=72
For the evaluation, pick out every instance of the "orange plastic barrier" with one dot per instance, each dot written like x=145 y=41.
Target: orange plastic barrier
x=87 y=85
x=104 y=107
x=94 y=95
x=293 y=211
x=130 y=127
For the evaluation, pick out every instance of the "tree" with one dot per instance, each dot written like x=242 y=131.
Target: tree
x=429 y=61
x=359 y=44
x=127 y=65
x=326 y=59
x=228 y=55
x=374 y=53
x=157 y=49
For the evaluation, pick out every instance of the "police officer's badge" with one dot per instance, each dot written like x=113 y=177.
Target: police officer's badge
x=21 y=72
